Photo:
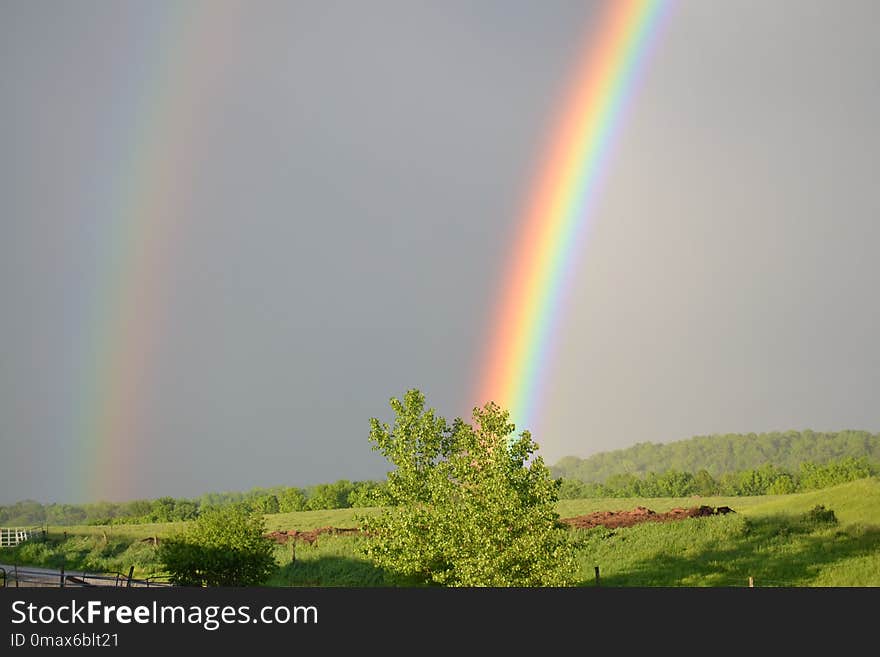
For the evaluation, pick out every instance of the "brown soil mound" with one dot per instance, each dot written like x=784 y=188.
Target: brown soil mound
x=641 y=514
x=309 y=536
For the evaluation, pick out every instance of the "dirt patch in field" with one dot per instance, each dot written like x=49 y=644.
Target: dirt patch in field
x=640 y=514
x=309 y=536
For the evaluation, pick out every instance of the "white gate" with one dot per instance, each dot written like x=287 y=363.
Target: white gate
x=12 y=536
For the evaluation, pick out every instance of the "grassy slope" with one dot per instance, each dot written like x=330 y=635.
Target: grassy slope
x=766 y=539
x=857 y=502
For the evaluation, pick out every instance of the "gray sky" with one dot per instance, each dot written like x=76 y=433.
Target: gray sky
x=348 y=178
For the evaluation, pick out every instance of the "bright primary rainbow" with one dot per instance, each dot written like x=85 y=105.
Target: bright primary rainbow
x=558 y=209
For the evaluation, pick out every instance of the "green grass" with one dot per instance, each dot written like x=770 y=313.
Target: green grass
x=769 y=538
x=304 y=520
x=329 y=561
x=856 y=502
x=87 y=552
x=728 y=550
x=130 y=532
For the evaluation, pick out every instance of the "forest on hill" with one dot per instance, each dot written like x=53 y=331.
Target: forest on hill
x=722 y=454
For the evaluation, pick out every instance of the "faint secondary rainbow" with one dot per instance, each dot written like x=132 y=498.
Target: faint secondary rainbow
x=558 y=209
x=153 y=134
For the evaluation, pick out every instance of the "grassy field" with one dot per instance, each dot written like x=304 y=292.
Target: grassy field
x=772 y=539
x=130 y=532
x=304 y=520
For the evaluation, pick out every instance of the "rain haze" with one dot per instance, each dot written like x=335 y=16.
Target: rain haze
x=238 y=229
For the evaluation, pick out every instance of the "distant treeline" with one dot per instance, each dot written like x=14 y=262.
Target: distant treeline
x=766 y=480
x=278 y=499
x=729 y=464
x=723 y=454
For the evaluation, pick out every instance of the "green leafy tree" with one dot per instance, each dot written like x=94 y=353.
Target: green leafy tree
x=329 y=496
x=469 y=505
x=831 y=473
x=225 y=546
x=25 y=512
x=677 y=484
x=291 y=499
x=163 y=510
x=571 y=489
x=65 y=514
x=269 y=504
x=367 y=493
x=783 y=484
x=625 y=484
x=705 y=484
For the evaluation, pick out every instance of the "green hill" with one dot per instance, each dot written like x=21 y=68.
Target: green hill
x=854 y=503
x=719 y=454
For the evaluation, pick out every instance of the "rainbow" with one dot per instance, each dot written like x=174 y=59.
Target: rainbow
x=153 y=131
x=558 y=209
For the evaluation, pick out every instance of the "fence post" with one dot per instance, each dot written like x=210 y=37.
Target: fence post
x=62 y=575
x=751 y=582
x=16 y=575
x=597 y=575
x=130 y=573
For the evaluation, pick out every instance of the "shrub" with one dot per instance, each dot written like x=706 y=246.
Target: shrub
x=223 y=547
x=819 y=515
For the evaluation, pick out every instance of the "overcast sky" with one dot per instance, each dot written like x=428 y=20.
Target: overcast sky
x=348 y=178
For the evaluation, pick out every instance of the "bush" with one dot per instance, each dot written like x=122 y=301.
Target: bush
x=819 y=515
x=223 y=547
